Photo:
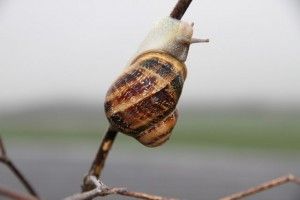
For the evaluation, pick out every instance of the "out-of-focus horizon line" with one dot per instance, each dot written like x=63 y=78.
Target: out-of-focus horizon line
x=189 y=105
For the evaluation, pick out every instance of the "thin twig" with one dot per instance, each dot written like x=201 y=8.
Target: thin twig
x=104 y=149
x=8 y=162
x=15 y=195
x=264 y=186
x=2 y=149
x=138 y=195
x=99 y=161
x=180 y=8
x=101 y=190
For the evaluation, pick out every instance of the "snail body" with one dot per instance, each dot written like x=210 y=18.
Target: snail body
x=142 y=101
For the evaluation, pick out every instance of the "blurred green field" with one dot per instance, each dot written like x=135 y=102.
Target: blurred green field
x=259 y=130
x=268 y=132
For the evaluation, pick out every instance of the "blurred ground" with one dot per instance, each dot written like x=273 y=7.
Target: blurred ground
x=212 y=152
x=188 y=174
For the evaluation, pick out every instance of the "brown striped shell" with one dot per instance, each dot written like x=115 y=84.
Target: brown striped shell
x=142 y=101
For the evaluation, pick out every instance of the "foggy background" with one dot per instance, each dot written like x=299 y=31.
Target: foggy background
x=72 y=50
x=239 y=120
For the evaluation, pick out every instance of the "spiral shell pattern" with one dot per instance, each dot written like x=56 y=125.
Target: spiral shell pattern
x=142 y=101
x=158 y=133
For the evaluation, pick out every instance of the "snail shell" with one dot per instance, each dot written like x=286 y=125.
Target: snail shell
x=142 y=101
x=146 y=94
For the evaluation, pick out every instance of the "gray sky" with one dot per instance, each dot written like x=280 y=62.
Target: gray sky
x=71 y=49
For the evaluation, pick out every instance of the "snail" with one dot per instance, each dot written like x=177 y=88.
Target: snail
x=142 y=101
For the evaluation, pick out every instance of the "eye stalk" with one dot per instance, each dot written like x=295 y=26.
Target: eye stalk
x=188 y=41
x=196 y=40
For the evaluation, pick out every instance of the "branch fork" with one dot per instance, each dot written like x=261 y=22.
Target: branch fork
x=100 y=190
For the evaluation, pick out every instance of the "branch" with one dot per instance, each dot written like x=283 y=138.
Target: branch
x=101 y=190
x=180 y=8
x=7 y=161
x=15 y=195
x=264 y=186
x=107 y=141
x=99 y=161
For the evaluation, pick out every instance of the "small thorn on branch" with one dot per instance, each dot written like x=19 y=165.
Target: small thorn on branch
x=2 y=149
